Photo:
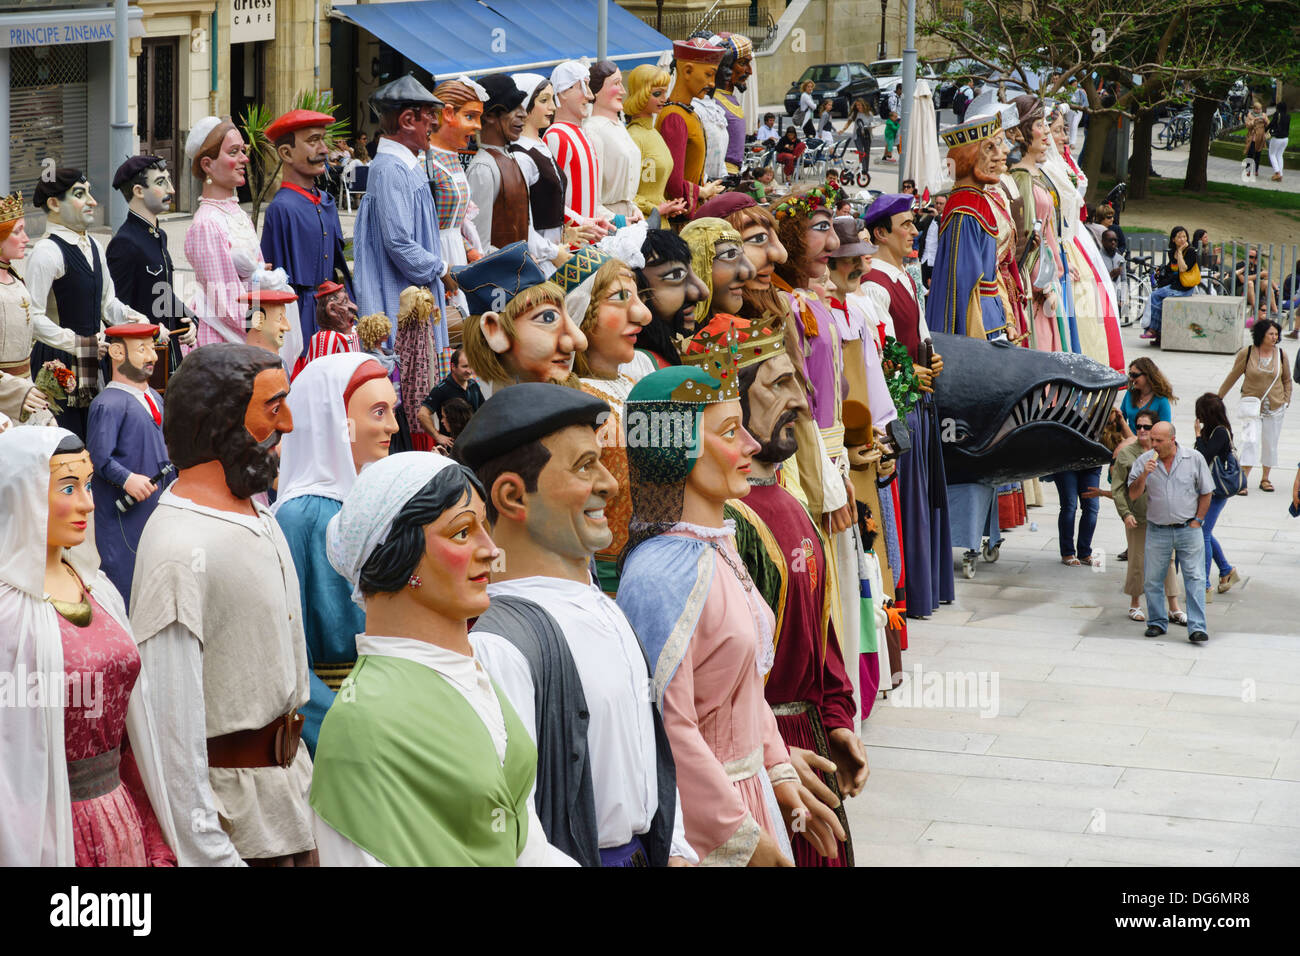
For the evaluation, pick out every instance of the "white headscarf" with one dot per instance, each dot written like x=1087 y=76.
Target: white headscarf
x=380 y=492
x=316 y=457
x=36 y=825
x=528 y=83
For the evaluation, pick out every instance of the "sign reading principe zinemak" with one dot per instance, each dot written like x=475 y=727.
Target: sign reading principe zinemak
x=252 y=20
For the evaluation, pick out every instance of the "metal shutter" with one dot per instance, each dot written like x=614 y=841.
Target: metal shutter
x=48 y=112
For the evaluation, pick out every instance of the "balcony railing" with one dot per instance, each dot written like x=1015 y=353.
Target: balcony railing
x=758 y=25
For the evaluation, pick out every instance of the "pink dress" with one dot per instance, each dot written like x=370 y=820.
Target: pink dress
x=220 y=232
x=117 y=828
x=722 y=731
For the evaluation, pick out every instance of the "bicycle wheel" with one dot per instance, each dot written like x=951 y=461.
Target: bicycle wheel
x=1166 y=136
x=1138 y=291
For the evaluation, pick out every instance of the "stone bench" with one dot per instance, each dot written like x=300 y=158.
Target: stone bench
x=1203 y=323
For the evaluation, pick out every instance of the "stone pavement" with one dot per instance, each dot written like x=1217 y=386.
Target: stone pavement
x=1107 y=748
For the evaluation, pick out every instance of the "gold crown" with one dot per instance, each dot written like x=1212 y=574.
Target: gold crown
x=976 y=129
x=715 y=350
x=11 y=207
x=752 y=341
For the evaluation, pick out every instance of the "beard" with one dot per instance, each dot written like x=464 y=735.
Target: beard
x=249 y=465
x=133 y=374
x=777 y=447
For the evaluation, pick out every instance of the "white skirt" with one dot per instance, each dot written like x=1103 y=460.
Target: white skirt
x=1257 y=439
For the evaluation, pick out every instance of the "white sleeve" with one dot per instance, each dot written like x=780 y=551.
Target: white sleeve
x=834 y=495
x=44 y=264
x=537 y=851
x=173 y=659
x=880 y=299
x=334 y=849
x=679 y=846
x=507 y=667
x=483 y=187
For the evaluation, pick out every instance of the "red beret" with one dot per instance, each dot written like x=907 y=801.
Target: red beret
x=132 y=330
x=723 y=205
x=697 y=50
x=328 y=287
x=268 y=296
x=297 y=119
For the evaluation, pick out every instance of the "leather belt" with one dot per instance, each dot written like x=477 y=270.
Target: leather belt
x=21 y=369
x=274 y=745
x=1182 y=524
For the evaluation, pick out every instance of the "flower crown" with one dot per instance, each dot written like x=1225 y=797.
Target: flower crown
x=826 y=196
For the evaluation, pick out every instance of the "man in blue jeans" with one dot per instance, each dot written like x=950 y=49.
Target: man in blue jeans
x=1178 y=485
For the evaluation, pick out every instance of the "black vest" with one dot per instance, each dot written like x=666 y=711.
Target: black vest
x=79 y=291
x=546 y=197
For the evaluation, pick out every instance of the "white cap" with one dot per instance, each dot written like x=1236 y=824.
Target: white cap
x=194 y=142
x=528 y=83
x=568 y=74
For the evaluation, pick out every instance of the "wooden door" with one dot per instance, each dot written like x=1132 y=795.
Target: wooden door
x=156 y=100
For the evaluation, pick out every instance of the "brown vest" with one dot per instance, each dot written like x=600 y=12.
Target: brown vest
x=510 y=211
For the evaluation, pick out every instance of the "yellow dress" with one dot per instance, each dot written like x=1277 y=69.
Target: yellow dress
x=656 y=163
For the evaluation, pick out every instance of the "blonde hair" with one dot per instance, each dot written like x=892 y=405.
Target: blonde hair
x=604 y=279
x=373 y=329
x=485 y=362
x=415 y=304
x=702 y=236
x=807 y=86
x=640 y=83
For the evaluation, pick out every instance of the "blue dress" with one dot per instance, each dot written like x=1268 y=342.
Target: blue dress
x=330 y=619
x=122 y=440
x=1164 y=411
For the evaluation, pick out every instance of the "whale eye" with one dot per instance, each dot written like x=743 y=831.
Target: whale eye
x=954 y=431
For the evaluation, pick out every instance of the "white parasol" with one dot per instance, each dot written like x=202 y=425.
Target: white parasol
x=922 y=161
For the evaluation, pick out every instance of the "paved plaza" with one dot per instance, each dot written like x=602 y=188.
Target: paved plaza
x=1107 y=748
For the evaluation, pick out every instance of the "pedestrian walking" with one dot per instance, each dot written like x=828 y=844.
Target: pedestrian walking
x=1256 y=133
x=1214 y=442
x=1265 y=395
x=1148 y=390
x=1133 y=512
x=1178 y=484
x=1279 y=135
x=860 y=122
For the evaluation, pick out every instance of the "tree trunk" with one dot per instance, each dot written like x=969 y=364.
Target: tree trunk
x=1203 y=108
x=1101 y=126
x=1139 y=163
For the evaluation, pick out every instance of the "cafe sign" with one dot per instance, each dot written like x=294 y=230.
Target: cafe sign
x=252 y=20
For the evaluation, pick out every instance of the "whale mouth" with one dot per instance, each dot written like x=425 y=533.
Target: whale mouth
x=1079 y=408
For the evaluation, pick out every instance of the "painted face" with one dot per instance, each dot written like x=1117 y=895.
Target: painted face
x=423 y=122
x=158 y=191
x=764 y=252
x=76 y=209
x=372 y=420
x=268 y=412
x=731 y=272
x=15 y=245
x=566 y=514
x=70 y=503
x=620 y=317
x=513 y=124
x=611 y=93
x=309 y=154
x=902 y=231
x=543 y=345
x=741 y=71
x=698 y=77
x=463 y=123
x=991 y=160
x=1058 y=133
x=341 y=312
x=1039 y=136
x=820 y=244
x=133 y=357
x=726 y=449
x=543 y=111
x=847 y=272
x=775 y=404
x=674 y=291
x=227 y=169
x=658 y=97
x=273 y=324
x=458 y=553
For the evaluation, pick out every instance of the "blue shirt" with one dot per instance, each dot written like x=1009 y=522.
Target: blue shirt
x=1159 y=406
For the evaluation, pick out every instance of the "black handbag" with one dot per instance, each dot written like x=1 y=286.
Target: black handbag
x=900 y=436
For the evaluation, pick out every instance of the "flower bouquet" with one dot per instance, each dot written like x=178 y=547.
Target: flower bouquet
x=57 y=381
x=904 y=386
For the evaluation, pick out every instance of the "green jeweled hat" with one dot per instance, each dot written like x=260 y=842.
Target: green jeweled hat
x=580 y=267
x=662 y=419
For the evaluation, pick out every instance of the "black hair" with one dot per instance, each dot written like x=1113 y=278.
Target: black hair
x=887 y=224
x=1212 y=414
x=664 y=245
x=390 y=566
x=208 y=399
x=768 y=116
x=526 y=461
x=64 y=179
x=1173 y=232
x=600 y=71
x=660 y=245
x=455 y=356
x=456 y=413
x=70 y=445
x=141 y=178
x=1260 y=329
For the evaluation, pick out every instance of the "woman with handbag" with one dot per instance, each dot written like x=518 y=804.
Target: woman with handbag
x=1214 y=442
x=1256 y=133
x=1265 y=395
x=1180 y=275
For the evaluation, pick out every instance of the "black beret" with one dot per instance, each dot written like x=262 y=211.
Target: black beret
x=502 y=92
x=134 y=166
x=520 y=414
x=57 y=187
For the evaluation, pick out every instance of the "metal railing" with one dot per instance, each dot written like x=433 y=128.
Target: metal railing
x=680 y=24
x=1272 y=290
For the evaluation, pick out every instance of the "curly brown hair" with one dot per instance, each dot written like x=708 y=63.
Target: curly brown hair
x=1155 y=378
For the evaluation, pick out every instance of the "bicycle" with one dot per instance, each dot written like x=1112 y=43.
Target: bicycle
x=1176 y=130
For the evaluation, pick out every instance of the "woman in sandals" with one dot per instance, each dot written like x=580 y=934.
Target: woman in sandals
x=1134 y=513
x=1214 y=442
x=1265 y=395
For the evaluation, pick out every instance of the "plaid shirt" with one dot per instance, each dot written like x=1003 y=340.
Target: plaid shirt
x=220 y=231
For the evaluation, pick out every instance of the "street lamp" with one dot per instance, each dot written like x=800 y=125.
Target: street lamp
x=884 y=7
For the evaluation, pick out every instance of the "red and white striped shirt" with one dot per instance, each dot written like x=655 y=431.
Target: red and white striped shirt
x=325 y=343
x=574 y=154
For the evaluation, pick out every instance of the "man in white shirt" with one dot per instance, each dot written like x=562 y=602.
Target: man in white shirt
x=768 y=130
x=562 y=651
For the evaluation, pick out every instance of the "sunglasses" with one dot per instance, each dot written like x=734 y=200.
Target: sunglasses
x=1142 y=428
x=1134 y=375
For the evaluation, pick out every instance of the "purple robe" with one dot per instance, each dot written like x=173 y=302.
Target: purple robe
x=819 y=341
x=735 y=128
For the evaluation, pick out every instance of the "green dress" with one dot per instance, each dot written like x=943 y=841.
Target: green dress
x=407 y=771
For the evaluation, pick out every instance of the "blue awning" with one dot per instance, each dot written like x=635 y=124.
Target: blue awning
x=450 y=37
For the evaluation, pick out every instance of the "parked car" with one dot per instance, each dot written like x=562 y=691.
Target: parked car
x=888 y=73
x=841 y=82
x=953 y=74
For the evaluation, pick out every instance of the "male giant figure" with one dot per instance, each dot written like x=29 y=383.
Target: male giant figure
x=218 y=618
x=396 y=243
x=301 y=233
x=561 y=650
